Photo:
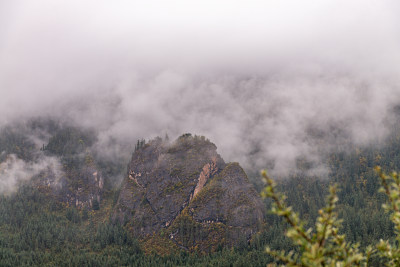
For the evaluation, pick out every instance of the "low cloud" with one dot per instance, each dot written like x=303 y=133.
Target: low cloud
x=14 y=171
x=268 y=81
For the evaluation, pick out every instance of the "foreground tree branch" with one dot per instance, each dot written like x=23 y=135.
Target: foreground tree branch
x=322 y=246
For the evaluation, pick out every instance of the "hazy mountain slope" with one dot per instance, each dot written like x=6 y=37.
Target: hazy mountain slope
x=185 y=192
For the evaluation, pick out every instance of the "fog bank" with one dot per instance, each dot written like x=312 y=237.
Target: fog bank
x=266 y=81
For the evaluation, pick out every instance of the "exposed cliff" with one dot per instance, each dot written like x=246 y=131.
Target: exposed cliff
x=185 y=194
x=81 y=181
x=179 y=195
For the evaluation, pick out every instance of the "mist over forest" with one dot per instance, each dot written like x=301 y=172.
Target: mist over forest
x=269 y=82
x=132 y=133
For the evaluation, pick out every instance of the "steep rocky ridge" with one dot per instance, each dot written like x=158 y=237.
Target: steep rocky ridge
x=179 y=195
x=82 y=182
x=186 y=193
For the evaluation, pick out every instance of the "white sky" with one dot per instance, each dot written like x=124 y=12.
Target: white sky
x=226 y=69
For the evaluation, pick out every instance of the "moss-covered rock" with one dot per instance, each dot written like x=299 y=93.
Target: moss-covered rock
x=184 y=191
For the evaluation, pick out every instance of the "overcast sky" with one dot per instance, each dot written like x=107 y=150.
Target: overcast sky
x=256 y=77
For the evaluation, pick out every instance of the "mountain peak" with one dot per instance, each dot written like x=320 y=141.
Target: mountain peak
x=184 y=192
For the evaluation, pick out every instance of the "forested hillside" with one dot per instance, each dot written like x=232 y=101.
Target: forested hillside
x=187 y=133
x=41 y=225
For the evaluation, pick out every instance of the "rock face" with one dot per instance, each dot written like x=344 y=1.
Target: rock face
x=186 y=193
x=87 y=192
x=81 y=188
x=81 y=183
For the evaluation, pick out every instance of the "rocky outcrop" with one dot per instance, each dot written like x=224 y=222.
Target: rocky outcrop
x=230 y=199
x=209 y=170
x=185 y=192
x=81 y=185
x=88 y=192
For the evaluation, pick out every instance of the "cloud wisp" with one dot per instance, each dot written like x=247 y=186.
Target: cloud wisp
x=14 y=171
x=267 y=81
